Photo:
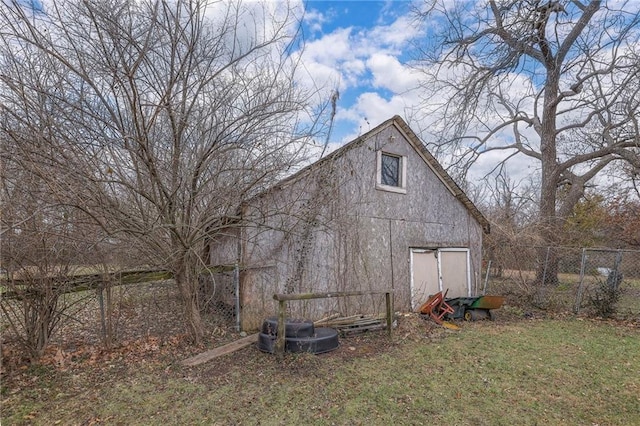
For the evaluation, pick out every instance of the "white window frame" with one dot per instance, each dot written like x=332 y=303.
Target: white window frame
x=402 y=188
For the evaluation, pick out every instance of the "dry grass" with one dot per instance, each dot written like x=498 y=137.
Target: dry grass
x=527 y=367
x=509 y=371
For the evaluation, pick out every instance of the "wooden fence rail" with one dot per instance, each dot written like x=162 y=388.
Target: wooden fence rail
x=25 y=287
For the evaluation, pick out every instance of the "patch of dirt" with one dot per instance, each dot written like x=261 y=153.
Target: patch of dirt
x=77 y=347
x=410 y=327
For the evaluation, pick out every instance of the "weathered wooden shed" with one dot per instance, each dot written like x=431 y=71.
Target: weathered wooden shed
x=378 y=213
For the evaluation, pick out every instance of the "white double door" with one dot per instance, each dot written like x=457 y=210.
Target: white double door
x=434 y=270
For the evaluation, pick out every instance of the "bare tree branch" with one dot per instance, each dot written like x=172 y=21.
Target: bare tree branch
x=555 y=80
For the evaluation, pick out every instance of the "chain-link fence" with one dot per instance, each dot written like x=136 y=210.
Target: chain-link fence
x=109 y=315
x=220 y=297
x=599 y=282
x=609 y=282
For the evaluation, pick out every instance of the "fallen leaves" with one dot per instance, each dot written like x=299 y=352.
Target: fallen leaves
x=146 y=349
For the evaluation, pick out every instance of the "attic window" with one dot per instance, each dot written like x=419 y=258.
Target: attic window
x=391 y=172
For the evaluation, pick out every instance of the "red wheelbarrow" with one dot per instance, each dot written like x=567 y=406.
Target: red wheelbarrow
x=436 y=307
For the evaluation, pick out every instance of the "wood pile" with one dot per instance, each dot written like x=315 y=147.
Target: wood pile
x=354 y=324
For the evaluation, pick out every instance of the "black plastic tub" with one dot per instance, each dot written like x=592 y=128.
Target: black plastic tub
x=323 y=340
x=293 y=327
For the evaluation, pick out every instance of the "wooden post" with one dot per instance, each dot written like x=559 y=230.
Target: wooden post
x=280 y=342
x=388 y=301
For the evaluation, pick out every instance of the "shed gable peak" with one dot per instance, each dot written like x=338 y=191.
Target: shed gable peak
x=416 y=143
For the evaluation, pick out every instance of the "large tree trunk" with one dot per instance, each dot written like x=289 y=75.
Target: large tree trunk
x=550 y=231
x=547 y=272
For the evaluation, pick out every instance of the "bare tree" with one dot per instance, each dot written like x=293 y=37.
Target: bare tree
x=553 y=80
x=170 y=113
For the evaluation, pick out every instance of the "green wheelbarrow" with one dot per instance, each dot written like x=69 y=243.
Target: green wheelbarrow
x=473 y=308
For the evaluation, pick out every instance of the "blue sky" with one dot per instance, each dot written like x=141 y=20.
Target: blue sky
x=367 y=49
x=361 y=48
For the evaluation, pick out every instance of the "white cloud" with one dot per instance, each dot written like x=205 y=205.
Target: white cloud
x=360 y=60
x=397 y=34
x=389 y=73
x=348 y=50
x=315 y=19
x=329 y=62
x=371 y=109
x=331 y=49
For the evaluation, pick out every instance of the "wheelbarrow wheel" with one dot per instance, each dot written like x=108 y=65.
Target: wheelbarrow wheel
x=468 y=315
x=476 y=314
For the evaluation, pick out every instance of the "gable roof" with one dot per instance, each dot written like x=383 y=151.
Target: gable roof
x=420 y=148
x=441 y=173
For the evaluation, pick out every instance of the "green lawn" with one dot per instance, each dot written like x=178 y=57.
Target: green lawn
x=575 y=372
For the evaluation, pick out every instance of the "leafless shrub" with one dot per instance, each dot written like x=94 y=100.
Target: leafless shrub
x=165 y=115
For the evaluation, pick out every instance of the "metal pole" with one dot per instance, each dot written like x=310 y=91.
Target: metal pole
x=486 y=278
x=236 y=279
x=576 y=308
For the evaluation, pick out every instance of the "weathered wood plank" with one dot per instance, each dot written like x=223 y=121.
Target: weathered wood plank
x=222 y=350
x=326 y=319
x=307 y=296
x=280 y=338
x=348 y=331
